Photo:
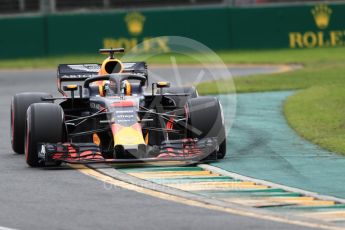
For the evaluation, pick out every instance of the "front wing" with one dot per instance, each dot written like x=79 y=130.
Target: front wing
x=186 y=150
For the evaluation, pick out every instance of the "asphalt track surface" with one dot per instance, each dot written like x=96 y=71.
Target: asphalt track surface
x=66 y=199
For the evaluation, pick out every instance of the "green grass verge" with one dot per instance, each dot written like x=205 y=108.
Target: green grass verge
x=317 y=110
x=318 y=114
x=321 y=66
x=239 y=57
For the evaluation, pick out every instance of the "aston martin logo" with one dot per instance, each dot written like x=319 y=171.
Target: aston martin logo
x=322 y=15
x=135 y=23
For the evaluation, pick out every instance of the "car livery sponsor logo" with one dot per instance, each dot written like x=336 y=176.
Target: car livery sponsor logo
x=42 y=152
x=96 y=106
x=125 y=116
x=86 y=67
x=77 y=76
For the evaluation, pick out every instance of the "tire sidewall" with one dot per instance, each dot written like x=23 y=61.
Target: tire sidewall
x=30 y=144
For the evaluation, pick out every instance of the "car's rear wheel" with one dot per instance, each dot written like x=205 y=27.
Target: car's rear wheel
x=19 y=105
x=44 y=124
x=205 y=119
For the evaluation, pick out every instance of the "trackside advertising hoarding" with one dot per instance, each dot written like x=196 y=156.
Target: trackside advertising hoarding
x=295 y=27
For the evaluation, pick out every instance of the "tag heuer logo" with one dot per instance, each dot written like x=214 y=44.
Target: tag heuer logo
x=135 y=23
x=42 y=152
x=322 y=15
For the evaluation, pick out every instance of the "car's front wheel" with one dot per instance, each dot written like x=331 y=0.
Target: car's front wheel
x=44 y=124
x=205 y=120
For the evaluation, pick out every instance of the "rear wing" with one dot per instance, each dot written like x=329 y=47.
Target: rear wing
x=77 y=72
x=81 y=72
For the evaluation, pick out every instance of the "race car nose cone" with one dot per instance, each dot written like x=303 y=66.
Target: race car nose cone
x=130 y=151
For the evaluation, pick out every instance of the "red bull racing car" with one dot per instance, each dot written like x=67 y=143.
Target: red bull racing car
x=106 y=115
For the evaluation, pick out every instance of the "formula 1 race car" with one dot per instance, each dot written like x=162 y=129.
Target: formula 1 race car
x=105 y=115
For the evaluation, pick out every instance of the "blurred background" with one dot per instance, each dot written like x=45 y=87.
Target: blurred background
x=56 y=6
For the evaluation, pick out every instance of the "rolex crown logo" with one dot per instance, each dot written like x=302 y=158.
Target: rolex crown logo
x=135 y=23
x=322 y=14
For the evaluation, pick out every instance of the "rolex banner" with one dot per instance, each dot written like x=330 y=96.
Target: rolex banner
x=327 y=32
x=310 y=26
x=295 y=27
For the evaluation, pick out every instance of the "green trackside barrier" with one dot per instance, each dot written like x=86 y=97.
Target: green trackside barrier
x=22 y=37
x=85 y=33
x=305 y=26
x=308 y=26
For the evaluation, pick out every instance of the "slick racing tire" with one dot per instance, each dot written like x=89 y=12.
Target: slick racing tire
x=205 y=119
x=19 y=105
x=44 y=124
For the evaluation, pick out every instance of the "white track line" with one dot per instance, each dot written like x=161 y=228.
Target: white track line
x=5 y=228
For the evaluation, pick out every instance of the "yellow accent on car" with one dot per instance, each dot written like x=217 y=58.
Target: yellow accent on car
x=108 y=62
x=147 y=138
x=128 y=88
x=101 y=89
x=162 y=84
x=72 y=87
x=96 y=139
x=128 y=136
